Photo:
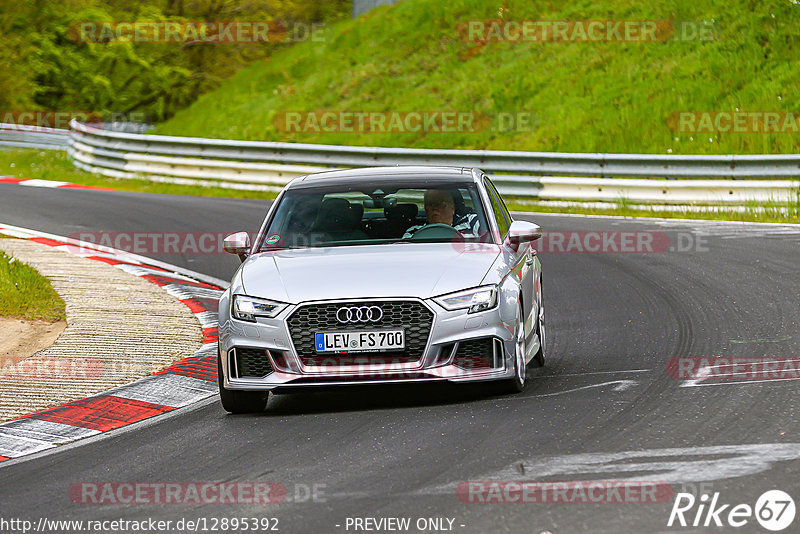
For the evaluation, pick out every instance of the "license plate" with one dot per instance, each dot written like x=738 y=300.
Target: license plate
x=360 y=341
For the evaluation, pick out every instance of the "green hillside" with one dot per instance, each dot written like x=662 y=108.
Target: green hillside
x=580 y=96
x=74 y=58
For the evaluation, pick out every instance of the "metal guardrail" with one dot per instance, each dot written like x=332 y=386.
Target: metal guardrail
x=533 y=175
x=492 y=161
x=274 y=164
x=16 y=135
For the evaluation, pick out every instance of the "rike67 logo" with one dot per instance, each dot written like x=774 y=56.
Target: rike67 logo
x=774 y=510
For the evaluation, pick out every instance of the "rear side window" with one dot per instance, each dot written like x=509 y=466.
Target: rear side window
x=499 y=209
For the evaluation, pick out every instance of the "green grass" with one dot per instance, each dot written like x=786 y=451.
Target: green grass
x=583 y=97
x=26 y=294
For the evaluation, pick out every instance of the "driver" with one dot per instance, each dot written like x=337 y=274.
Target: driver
x=440 y=209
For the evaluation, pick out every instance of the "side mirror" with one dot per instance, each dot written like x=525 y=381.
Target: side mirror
x=522 y=232
x=238 y=243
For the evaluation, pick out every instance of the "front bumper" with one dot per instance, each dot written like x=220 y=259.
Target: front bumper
x=440 y=360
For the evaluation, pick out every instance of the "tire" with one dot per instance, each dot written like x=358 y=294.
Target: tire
x=517 y=383
x=240 y=401
x=541 y=330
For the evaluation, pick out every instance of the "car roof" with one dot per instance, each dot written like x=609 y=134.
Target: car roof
x=374 y=175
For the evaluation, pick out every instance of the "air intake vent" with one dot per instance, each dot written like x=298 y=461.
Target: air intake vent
x=477 y=354
x=251 y=363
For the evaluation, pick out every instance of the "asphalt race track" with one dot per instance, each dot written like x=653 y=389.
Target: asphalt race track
x=604 y=408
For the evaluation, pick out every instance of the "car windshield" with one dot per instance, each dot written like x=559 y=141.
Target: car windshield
x=388 y=213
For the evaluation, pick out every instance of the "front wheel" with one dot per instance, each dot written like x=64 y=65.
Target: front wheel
x=240 y=401
x=540 y=330
x=517 y=383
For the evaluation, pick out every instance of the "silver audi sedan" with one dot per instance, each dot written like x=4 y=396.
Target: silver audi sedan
x=381 y=275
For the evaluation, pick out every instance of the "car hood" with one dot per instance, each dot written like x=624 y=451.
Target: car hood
x=418 y=270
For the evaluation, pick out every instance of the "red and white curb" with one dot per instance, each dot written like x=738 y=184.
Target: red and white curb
x=35 y=182
x=185 y=382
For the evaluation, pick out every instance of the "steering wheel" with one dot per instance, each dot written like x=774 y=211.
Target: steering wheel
x=436 y=231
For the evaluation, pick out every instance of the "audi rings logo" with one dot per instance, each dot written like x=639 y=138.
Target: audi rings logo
x=359 y=314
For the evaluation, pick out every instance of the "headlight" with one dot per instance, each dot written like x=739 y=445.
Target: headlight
x=477 y=300
x=248 y=308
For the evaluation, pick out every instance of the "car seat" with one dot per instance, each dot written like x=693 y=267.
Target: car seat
x=338 y=220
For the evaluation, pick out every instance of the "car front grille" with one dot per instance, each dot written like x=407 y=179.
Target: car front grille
x=412 y=316
x=251 y=363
